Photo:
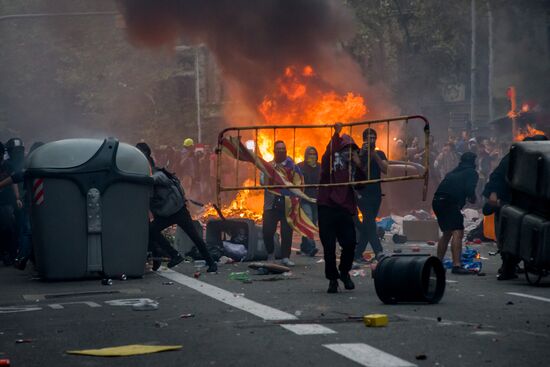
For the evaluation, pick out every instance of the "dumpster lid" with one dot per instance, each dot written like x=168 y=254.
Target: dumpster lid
x=70 y=153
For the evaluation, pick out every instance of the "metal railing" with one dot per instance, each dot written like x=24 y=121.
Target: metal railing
x=257 y=128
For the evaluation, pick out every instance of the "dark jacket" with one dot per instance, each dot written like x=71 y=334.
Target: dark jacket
x=497 y=181
x=312 y=175
x=337 y=153
x=459 y=184
x=168 y=196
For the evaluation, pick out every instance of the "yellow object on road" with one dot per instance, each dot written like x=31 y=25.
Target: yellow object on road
x=125 y=350
x=489 y=227
x=375 y=320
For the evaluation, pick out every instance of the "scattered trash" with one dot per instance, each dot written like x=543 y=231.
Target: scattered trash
x=23 y=341
x=287 y=274
x=509 y=303
x=421 y=357
x=237 y=295
x=477 y=241
x=146 y=305
x=262 y=271
x=5 y=362
x=125 y=350
x=199 y=263
x=431 y=243
x=399 y=239
x=375 y=320
x=196 y=274
x=187 y=316
x=415 y=249
x=167 y=283
x=107 y=281
x=320 y=261
x=160 y=324
x=470 y=260
x=225 y=260
x=298 y=313
x=123 y=277
x=357 y=273
x=235 y=251
x=241 y=276
x=385 y=223
x=493 y=253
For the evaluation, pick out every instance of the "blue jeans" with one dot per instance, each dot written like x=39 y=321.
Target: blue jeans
x=369 y=207
x=310 y=209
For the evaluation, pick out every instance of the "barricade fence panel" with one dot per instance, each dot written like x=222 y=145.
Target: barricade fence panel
x=243 y=152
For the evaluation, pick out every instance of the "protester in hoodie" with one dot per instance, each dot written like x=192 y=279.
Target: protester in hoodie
x=373 y=163
x=311 y=169
x=450 y=197
x=337 y=207
x=274 y=207
x=168 y=205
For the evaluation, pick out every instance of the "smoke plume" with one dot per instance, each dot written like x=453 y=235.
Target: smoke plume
x=254 y=41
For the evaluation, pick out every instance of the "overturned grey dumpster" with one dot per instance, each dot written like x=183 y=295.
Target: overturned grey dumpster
x=90 y=208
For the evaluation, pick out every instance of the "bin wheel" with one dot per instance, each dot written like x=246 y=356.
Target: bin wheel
x=533 y=275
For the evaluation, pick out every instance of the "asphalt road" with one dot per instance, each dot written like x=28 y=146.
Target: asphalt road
x=273 y=321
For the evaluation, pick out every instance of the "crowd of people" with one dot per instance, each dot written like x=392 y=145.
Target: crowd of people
x=463 y=169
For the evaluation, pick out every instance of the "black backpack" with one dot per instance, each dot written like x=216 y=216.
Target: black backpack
x=175 y=181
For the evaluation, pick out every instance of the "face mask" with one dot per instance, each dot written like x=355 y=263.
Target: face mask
x=311 y=160
x=280 y=156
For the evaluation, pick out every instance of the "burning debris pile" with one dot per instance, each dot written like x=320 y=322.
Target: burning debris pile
x=247 y=204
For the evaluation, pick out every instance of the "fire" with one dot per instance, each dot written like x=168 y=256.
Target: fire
x=247 y=204
x=527 y=131
x=300 y=97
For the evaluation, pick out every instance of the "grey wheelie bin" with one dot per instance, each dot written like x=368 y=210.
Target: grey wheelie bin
x=90 y=208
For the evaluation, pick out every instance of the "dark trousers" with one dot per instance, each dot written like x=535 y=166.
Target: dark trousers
x=271 y=218
x=183 y=219
x=369 y=207
x=310 y=209
x=336 y=224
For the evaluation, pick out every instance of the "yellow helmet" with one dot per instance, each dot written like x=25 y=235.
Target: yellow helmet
x=188 y=142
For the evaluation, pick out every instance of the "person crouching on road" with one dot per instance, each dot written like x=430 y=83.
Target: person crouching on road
x=450 y=197
x=337 y=207
x=168 y=205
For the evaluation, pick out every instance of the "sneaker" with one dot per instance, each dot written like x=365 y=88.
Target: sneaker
x=156 y=265
x=332 y=286
x=213 y=268
x=348 y=283
x=461 y=271
x=175 y=261
x=287 y=262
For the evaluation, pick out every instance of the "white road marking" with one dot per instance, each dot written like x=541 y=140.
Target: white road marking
x=529 y=296
x=368 y=356
x=484 y=333
x=308 y=329
x=451 y=281
x=59 y=306
x=244 y=304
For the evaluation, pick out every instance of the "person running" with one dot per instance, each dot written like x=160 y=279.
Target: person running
x=450 y=197
x=168 y=205
x=337 y=207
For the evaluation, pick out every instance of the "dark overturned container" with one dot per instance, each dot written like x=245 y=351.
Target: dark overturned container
x=90 y=208
x=407 y=278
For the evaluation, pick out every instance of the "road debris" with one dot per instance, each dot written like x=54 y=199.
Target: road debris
x=167 y=283
x=160 y=324
x=421 y=357
x=242 y=276
x=375 y=320
x=23 y=341
x=107 y=281
x=146 y=305
x=187 y=316
x=125 y=350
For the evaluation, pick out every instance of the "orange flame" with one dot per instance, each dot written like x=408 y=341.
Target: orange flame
x=527 y=131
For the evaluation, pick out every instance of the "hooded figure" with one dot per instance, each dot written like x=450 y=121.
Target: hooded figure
x=450 y=197
x=311 y=170
x=337 y=207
